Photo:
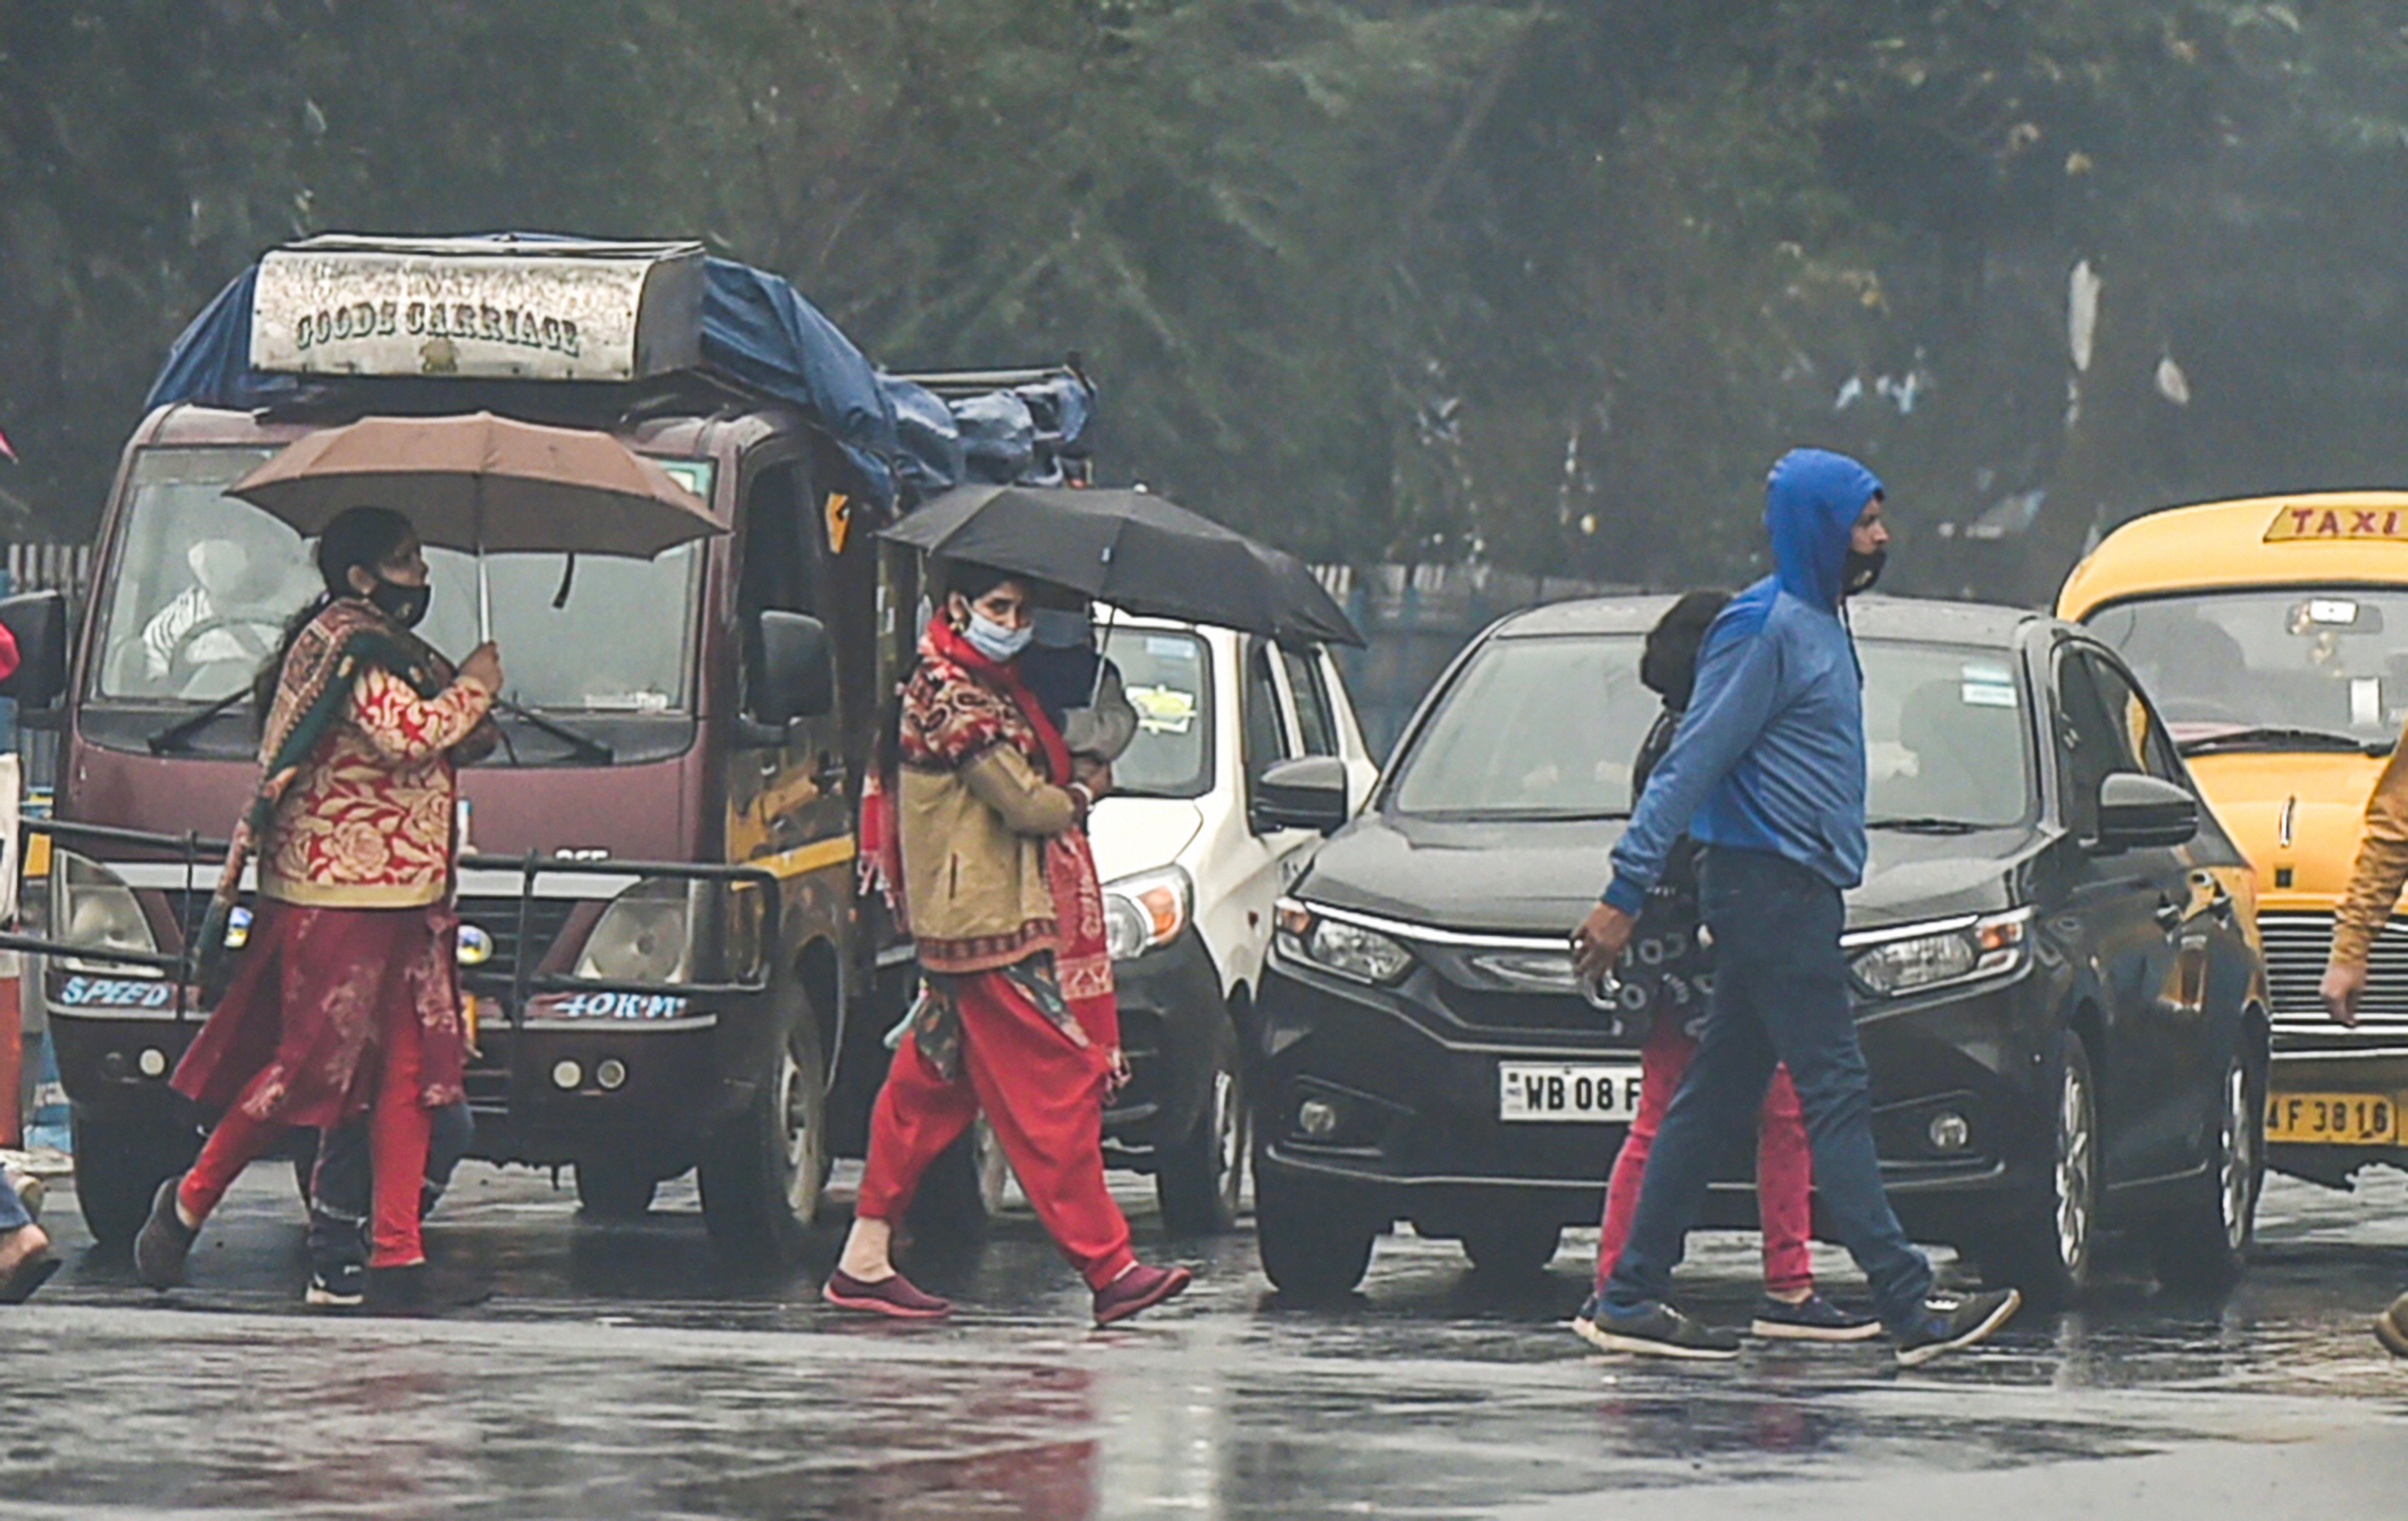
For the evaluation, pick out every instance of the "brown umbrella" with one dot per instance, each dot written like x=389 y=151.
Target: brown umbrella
x=482 y=482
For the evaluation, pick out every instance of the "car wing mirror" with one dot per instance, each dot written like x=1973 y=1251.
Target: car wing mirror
x=796 y=677
x=1304 y=793
x=2137 y=812
x=38 y=621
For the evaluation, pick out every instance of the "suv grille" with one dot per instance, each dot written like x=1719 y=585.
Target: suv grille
x=2297 y=946
x=499 y=918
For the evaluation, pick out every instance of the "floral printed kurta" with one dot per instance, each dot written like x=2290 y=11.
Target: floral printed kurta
x=369 y=826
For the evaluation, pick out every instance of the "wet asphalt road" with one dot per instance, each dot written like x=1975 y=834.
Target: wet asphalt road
x=621 y=1371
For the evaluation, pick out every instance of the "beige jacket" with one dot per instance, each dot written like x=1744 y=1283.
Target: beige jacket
x=2382 y=866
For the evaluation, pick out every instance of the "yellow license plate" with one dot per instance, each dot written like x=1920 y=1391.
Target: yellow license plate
x=2333 y=1119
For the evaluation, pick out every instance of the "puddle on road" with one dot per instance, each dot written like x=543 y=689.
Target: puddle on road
x=623 y=1369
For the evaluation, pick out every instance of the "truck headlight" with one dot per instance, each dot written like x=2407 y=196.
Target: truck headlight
x=644 y=936
x=1912 y=959
x=1334 y=945
x=95 y=909
x=1147 y=909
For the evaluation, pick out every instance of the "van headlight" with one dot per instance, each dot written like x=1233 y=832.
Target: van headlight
x=1146 y=910
x=92 y=908
x=644 y=936
x=1917 y=957
x=1349 y=950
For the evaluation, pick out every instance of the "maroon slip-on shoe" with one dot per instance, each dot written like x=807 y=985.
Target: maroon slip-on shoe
x=1138 y=1289
x=892 y=1295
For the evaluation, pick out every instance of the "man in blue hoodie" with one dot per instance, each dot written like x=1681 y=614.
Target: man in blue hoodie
x=1768 y=773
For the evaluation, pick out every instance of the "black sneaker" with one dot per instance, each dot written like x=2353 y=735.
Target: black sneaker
x=1812 y=1318
x=337 y=1286
x=1656 y=1331
x=163 y=1242
x=1950 y=1322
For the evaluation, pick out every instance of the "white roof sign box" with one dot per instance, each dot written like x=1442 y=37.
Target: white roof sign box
x=478 y=309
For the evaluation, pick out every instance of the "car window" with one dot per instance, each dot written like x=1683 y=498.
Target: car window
x=1313 y=714
x=2146 y=744
x=2093 y=737
x=1266 y=727
x=1168 y=677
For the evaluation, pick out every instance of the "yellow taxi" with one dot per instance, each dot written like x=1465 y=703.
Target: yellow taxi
x=2272 y=633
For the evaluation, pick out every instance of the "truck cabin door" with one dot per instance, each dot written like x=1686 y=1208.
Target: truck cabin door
x=785 y=797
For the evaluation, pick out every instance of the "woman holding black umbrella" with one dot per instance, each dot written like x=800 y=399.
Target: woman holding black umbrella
x=1016 y=1019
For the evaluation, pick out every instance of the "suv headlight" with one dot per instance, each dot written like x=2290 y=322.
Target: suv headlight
x=92 y=908
x=1954 y=951
x=644 y=936
x=1147 y=909
x=1334 y=945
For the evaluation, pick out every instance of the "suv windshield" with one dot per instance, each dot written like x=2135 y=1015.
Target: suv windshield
x=204 y=582
x=2326 y=660
x=1168 y=678
x=1546 y=728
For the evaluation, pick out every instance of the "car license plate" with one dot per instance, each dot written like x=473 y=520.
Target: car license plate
x=2333 y=1119
x=1557 y=1091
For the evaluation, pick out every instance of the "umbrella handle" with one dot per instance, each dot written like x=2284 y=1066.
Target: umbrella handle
x=484 y=601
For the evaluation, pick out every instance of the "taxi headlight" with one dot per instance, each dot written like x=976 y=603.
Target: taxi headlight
x=1334 y=945
x=644 y=936
x=1146 y=910
x=1954 y=952
x=95 y=909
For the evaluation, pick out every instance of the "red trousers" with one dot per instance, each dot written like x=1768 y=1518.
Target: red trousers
x=1785 y=1167
x=1044 y=1094
x=400 y=1124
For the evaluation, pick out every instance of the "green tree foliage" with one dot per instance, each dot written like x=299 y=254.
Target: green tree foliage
x=1538 y=282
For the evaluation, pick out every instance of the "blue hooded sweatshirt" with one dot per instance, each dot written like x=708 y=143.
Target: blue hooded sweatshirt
x=1770 y=755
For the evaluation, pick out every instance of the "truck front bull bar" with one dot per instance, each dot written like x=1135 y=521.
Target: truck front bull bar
x=200 y=859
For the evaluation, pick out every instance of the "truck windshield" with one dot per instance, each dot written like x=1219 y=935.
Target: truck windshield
x=1547 y=728
x=203 y=583
x=1168 y=678
x=2303 y=659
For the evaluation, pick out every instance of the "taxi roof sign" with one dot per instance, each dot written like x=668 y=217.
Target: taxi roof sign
x=2327 y=522
x=478 y=308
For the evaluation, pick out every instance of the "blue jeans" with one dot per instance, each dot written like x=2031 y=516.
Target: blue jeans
x=1780 y=994
x=13 y=1218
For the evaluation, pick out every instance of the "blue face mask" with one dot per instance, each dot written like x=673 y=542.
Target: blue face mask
x=1061 y=628
x=994 y=641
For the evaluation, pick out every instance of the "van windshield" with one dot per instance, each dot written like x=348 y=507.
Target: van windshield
x=203 y=583
x=2304 y=660
x=1547 y=728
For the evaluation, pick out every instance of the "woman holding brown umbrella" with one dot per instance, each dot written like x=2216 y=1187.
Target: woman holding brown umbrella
x=345 y=998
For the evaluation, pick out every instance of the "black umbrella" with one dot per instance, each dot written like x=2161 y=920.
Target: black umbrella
x=1135 y=551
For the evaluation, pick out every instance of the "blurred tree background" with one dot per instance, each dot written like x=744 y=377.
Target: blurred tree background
x=1544 y=284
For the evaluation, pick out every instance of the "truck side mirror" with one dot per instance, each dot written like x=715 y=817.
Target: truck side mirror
x=1305 y=793
x=2136 y=812
x=797 y=674
x=38 y=621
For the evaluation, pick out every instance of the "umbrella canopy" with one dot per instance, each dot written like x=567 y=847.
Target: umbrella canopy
x=1134 y=550
x=482 y=482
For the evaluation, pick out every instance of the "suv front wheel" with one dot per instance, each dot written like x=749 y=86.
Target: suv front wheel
x=1316 y=1243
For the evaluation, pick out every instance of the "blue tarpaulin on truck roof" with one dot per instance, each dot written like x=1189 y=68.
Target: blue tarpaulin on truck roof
x=756 y=329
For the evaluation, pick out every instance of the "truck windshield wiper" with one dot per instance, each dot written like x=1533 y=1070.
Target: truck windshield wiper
x=2277 y=737
x=582 y=745
x=177 y=737
x=1929 y=825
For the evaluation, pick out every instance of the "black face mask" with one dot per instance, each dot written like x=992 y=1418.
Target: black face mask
x=403 y=605
x=1858 y=573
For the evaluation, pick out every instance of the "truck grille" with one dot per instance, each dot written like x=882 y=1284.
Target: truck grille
x=2297 y=946
x=498 y=917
